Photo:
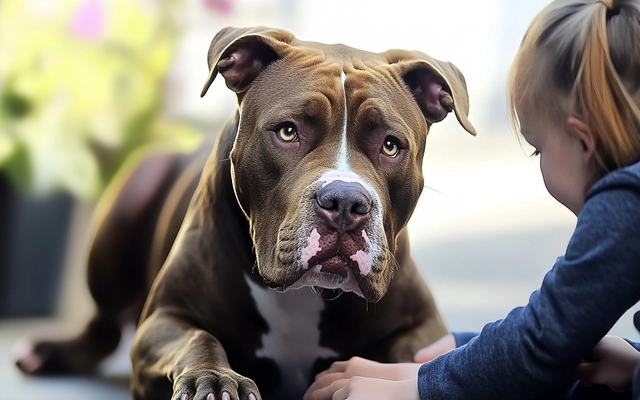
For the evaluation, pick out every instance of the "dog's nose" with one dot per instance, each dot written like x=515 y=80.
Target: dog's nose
x=345 y=205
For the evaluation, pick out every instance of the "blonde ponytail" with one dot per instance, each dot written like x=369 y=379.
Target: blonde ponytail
x=582 y=58
x=601 y=98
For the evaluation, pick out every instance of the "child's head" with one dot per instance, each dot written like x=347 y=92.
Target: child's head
x=581 y=59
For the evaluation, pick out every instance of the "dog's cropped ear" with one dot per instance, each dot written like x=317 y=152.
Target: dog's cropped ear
x=240 y=54
x=438 y=86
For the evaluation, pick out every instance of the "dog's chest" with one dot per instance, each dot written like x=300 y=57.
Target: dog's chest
x=293 y=339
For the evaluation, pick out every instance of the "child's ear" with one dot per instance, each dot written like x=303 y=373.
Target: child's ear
x=585 y=135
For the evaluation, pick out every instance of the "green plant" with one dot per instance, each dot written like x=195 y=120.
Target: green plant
x=81 y=87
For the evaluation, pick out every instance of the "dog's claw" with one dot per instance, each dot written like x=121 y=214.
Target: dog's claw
x=26 y=357
x=222 y=384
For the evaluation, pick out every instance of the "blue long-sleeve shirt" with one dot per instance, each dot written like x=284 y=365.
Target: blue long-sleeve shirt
x=580 y=299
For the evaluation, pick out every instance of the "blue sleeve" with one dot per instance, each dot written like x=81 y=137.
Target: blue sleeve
x=580 y=299
x=635 y=345
x=463 y=338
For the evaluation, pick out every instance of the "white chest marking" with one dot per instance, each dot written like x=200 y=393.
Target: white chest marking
x=343 y=161
x=293 y=338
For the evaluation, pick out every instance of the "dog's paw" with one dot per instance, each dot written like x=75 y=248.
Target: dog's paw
x=207 y=384
x=56 y=357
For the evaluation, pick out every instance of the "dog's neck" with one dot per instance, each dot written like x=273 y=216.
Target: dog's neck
x=225 y=223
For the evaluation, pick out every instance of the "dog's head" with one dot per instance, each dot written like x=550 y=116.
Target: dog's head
x=327 y=160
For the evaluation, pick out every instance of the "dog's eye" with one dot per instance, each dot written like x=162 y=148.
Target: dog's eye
x=287 y=133
x=390 y=147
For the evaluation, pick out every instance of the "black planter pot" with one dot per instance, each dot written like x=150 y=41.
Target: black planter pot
x=33 y=236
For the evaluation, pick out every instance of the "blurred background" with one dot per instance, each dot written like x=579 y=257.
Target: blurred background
x=86 y=84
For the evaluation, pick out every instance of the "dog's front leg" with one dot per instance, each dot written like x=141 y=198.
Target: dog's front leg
x=169 y=350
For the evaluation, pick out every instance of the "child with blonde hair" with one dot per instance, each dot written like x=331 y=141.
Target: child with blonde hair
x=574 y=93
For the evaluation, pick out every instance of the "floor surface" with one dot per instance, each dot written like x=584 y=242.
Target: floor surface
x=111 y=383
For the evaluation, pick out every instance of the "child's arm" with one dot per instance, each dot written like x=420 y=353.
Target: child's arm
x=581 y=298
x=443 y=345
x=610 y=363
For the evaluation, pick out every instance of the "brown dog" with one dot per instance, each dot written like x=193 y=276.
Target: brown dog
x=310 y=185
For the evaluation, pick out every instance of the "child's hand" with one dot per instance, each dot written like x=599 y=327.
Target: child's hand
x=360 y=378
x=441 y=346
x=610 y=363
x=357 y=366
x=362 y=388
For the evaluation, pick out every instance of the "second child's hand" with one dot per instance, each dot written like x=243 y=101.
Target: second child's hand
x=611 y=362
x=439 y=347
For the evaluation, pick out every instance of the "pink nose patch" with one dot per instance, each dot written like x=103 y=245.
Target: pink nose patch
x=364 y=262
x=311 y=249
x=363 y=258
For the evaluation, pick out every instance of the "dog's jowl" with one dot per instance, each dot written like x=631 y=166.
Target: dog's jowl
x=284 y=246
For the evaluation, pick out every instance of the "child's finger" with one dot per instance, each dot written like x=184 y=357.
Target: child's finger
x=585 y=372
x=338 y=366
x=324 y=389
x=327 y=379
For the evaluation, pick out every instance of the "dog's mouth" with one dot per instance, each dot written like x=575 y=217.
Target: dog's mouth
x=325 y=276
x=337 y=266
x=332 y=270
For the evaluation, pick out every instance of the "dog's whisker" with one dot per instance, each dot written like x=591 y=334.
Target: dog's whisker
x=393 y=259
x=338 y=294
x=436 y=191
x=321 y=293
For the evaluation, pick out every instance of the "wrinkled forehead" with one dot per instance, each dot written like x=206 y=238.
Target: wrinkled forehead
x=337 y=61
x=340 y=54
x=315 y=76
